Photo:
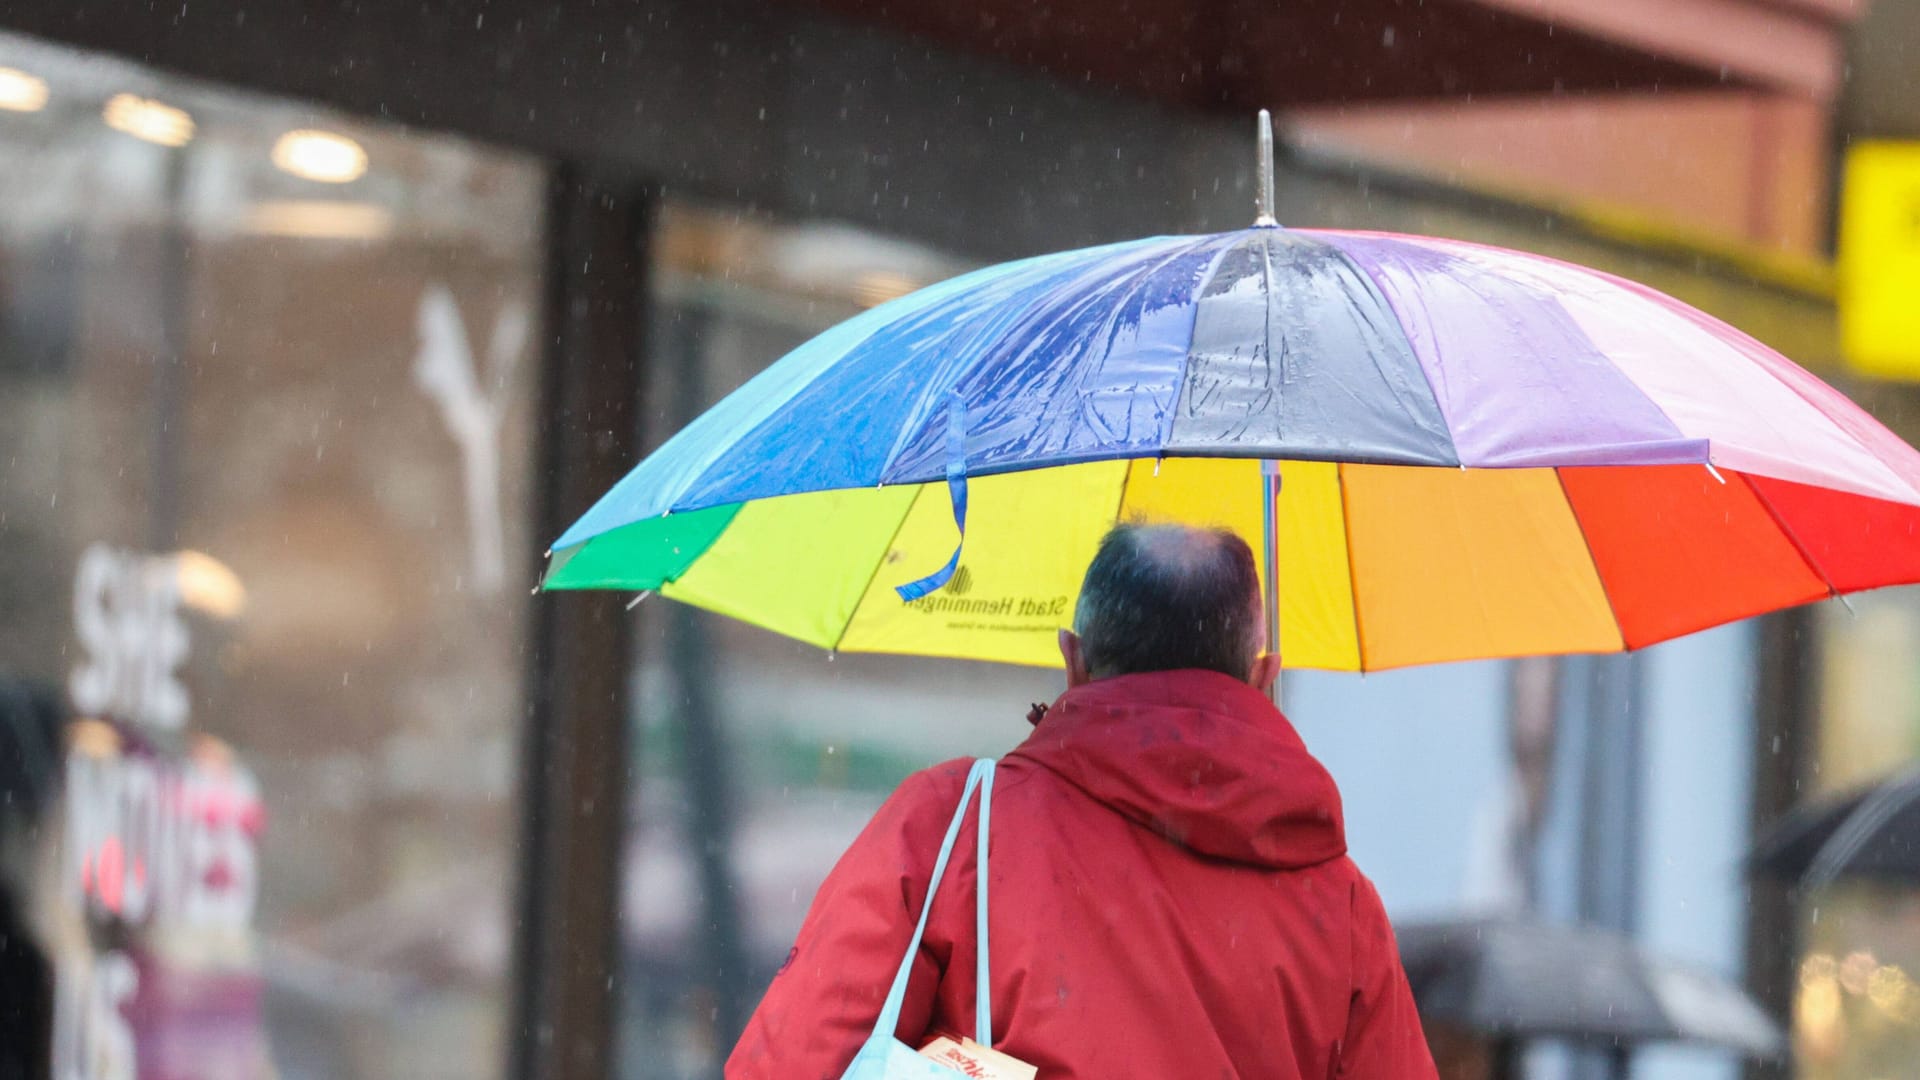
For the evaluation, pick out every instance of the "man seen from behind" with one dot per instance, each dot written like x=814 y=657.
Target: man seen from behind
x=1171 y=896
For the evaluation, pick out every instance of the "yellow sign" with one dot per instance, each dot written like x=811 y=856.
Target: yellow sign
x=1880 y=260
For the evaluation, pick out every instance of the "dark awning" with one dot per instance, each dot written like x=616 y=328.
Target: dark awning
x=1243 y=54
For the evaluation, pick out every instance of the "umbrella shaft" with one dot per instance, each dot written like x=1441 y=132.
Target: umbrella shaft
x=1270 y=501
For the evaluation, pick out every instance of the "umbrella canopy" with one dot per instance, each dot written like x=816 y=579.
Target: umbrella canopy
x=1872 y=834
x=1510 y=979
x=1447 y=451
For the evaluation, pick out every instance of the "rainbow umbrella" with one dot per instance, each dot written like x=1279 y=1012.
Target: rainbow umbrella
x=1443 y=451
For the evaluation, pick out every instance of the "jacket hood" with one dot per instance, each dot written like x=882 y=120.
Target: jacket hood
x=1199 y=757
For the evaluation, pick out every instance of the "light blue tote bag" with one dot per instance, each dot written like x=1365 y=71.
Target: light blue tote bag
x=887 y=1058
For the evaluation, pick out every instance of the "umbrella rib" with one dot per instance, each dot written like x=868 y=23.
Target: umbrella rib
x=1266 y=324
x=879 y=562
x=1353 y=573
x=1793 y=538
x=1126 y=484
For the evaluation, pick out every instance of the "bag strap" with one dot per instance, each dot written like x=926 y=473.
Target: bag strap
x=981 y=777
x=983 y=983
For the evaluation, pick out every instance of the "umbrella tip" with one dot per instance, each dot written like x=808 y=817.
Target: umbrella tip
x=1263 y=191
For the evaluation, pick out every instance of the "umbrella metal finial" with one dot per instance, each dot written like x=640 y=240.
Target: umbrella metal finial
x=1263 y=193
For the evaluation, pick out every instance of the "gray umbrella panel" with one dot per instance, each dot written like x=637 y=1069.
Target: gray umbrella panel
x=1517 y=979
x=1869 y=834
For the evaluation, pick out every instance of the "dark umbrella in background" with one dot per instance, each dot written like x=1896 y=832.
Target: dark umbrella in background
x=1511 y=980
x=1870 y=834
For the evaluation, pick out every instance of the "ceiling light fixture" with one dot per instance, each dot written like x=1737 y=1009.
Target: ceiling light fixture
x=320 y=156
x=21 y=92
x=144 y=118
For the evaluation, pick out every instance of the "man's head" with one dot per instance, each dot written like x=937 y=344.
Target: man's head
x=1167 y=597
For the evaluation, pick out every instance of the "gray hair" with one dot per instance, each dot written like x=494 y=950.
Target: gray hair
x=1167 y=597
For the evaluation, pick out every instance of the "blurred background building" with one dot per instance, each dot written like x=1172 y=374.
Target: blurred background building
x=316 y=322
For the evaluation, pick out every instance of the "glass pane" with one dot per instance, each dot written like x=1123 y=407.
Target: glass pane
x=759 y=758
x=266 y=391
x=1857 y=1013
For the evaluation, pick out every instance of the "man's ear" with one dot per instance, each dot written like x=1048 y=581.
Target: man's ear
x=1266 y=671
x=1076 y=658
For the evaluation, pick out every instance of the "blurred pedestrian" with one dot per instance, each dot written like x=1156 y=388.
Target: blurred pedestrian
x=1171 y=893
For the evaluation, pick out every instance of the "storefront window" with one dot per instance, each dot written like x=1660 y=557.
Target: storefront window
x=1857 y=1013
x=266 y=393
x=760 y=758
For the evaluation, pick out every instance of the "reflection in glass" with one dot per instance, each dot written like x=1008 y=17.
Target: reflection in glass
x=1857 y=1005
x=758 y=758
x=271 y=559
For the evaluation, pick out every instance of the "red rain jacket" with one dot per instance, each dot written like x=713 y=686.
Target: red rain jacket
x=1171 y=899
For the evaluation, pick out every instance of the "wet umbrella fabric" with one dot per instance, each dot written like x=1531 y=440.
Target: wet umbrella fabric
x=1480 y=453
x=1512 y=980
x=1872 y=834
